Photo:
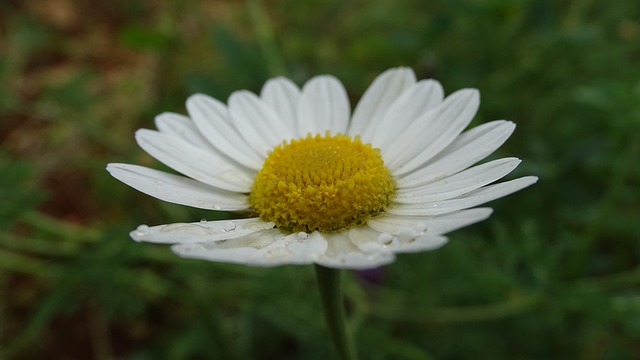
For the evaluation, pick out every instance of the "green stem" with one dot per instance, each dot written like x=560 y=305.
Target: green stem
x=331 y=296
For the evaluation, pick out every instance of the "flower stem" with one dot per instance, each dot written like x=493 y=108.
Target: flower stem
x=331 y=296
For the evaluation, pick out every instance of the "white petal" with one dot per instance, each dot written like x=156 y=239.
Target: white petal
x=181 y=127
x=420 y=243
x=434 y=225
x=323 y=106
x=414 y=102
x=469 y=200
x=342 y=253
x=211 y=118
x=458 y=184
x=205 y=166
x=406 y=240
x=375 y=102
x=283 y=96
x=199 y=232
x=177 y=189
x=468 y=148
x=256 y=122
x=198 y=251
x=262 y=248
x=366 y=239
x=432 y=132
x=230 y=251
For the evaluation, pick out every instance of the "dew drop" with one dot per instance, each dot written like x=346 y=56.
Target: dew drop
x=229 y=226
x=407 y=235
x=185 y=229
x=203 y=221
x=140 y=231
x=159 y=184
x=421 y=227
x=258 y=225
x=303 y=235
x=385 y=238
x=217 y=207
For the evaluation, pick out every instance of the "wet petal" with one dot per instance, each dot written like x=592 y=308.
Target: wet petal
x=200 y=232
x=262 y=248
x=343 y=253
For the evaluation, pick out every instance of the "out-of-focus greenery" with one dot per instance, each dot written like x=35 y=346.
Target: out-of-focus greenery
x=553 y=274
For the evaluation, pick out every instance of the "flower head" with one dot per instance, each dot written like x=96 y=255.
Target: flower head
x=326 y=186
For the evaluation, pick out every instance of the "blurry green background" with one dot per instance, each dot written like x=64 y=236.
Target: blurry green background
x=553 y=274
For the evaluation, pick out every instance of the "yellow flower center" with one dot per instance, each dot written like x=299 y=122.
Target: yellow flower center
x=325 y=183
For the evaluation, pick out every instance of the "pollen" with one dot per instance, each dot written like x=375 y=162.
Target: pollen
x=326 y=183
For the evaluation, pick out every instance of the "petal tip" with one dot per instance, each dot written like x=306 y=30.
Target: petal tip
x=196 y=99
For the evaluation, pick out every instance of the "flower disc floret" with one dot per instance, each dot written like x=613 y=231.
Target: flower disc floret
x=325 y=183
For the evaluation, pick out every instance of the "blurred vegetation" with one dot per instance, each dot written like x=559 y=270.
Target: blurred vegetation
x=554 y=274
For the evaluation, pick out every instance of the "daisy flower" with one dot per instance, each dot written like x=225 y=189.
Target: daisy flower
x=319 y=184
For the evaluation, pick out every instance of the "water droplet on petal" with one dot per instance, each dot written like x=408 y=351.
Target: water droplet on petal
x=407 y=235
x=257 y=225
x=217 y=207
x=141 y=231
x=421 y=227
x=203 y=220
x=159 y=184
x=185 y=229
x=303 y=235
x=229 y=226
x=385 y=238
